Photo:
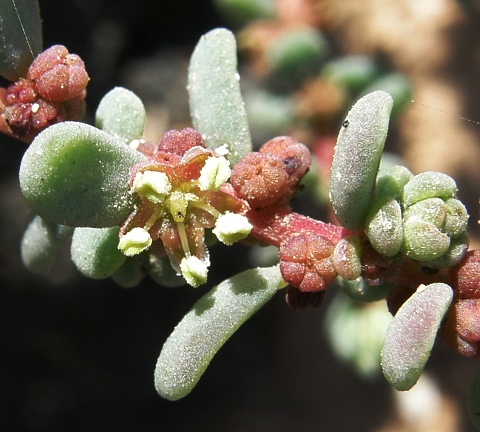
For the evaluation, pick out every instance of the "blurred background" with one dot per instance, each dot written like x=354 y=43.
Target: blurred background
x=78 y=354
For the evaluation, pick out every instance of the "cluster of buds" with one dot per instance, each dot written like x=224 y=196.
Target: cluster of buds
x=182 y=189
x=53 y=91
x=267 y=180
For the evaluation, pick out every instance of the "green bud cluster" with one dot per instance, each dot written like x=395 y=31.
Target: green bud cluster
x=418 y=216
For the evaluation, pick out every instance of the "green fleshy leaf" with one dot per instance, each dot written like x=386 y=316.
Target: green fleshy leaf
x=95 y=251
x=361 y=291
x=347 y=257
x=201 y=333
x=216 y=104
x=74 y=174
x=384 y=227
x=398 y=86
x=431 y=210
x=391 y=181
x=423 y=241
x=297 y=54
x=20 y=37
x=357 y=156
x=353 y=72
x=121 y=113
x=356 y=332
x=457 y=250
x=411 y=334
x=240 y=12
x=456 y=219
x=130 y=274
x=162 y=272
x=40 y=243
x=429 y=184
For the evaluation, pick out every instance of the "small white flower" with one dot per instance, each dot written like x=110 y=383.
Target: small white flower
x=135 y=241
x=214 y=173
x=194 y=270
x=232 y=227
x=154 y=185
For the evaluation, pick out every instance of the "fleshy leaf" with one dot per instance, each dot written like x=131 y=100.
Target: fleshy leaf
x=411 y=334
x=214 y=318
x=20 y=36
x=216 y=104
x=121 y=113
x=130 y=274
x=357 y=156
x=95 y=252
x=40 y=243
x=428 y=184
x=74 y=174
x=297 y=54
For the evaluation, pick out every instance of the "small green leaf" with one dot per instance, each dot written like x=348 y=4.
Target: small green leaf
x=216 y=104
x=357 y=156
x=423 y=241
x=353 y=72
x=411 y=334
x=95 y=251
x=74 y=174
x=397 y=85
x=384 y=227
x=297 y=54
x=121 y=113
x=130 y=274
x=201 y=333
x=429 y=184
x=40 y=243
x=240 y=12
x=20 y=37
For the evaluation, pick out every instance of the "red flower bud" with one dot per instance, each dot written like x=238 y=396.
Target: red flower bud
x=58 y=75
x=306 y=261
x=260 y=179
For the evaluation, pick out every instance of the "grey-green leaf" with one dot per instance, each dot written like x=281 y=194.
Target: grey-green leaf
x=40 y=243
x=214 y=318
x=411 y=334
x=121 y=113
x=216 y=104
x=20 y=36
x=74 y=174
x=95 y=251
x=357 y=156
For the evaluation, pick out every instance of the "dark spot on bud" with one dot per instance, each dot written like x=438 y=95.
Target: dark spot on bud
x=345 y=124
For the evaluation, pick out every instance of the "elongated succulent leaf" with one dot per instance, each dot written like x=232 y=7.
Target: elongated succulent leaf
x=95 y=251
x=411 y=334
x=20 y=36
x=214 y=318
x=40 y=243
x=74 y=174
x=216 y=104
x=121 y=113
x=357 y=156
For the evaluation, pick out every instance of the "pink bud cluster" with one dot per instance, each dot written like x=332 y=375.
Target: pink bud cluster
x=53 y=91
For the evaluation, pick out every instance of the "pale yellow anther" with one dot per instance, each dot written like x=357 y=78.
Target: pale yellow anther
x=232 y=227
x=135 y=241
x=214 y=173
x=194 y=270
x=153 y=185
